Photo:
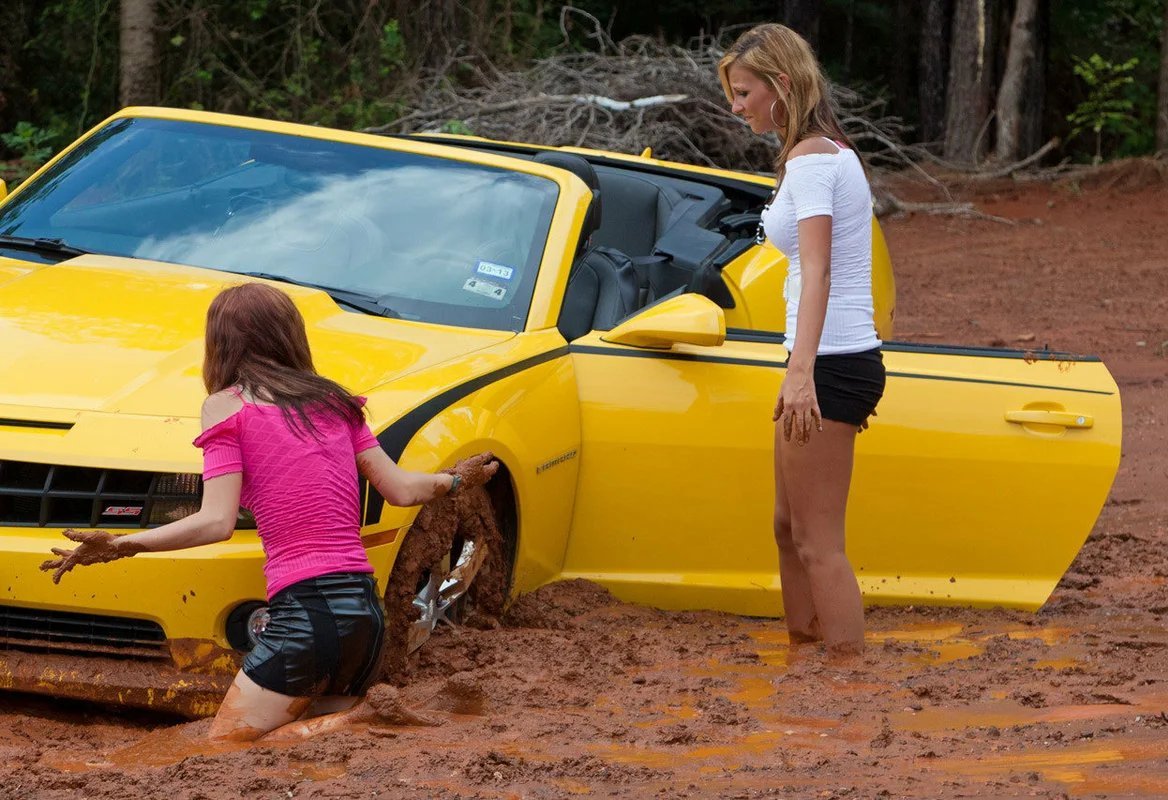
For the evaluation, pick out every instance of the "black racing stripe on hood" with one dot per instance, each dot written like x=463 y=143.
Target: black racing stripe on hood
x=397 y=436
x=35 y=423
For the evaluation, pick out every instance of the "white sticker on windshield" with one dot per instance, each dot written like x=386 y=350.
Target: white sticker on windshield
x=485 y=288
x=494 y=270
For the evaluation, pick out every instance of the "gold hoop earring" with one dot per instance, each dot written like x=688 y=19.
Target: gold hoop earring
x=772 y=112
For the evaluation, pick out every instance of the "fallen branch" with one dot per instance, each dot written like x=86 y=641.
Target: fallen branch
x=890 y=204
x=623 y=97
x=1009 y=169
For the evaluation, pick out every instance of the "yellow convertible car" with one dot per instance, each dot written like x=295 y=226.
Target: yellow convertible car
x=606 y=324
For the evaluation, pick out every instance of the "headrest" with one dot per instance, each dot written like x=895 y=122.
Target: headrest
x=583 y=170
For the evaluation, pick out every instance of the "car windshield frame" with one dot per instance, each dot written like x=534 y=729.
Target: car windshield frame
x=431 y=238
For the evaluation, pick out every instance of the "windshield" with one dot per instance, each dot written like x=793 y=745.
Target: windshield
x=432 y=239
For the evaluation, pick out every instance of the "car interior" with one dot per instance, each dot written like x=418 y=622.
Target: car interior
x=647 y=236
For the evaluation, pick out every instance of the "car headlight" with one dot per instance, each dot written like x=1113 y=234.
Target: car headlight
x=180 y=494
x=175 y=496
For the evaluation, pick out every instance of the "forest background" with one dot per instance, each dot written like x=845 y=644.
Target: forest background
x=971 y=83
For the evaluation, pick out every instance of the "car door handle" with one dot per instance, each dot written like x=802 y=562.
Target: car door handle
x=1063 y=419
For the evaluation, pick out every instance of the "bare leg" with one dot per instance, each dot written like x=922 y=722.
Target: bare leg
x=798 y=607
x=330 y=704
x=382 y=705
x=249 y=711
x=817 y=477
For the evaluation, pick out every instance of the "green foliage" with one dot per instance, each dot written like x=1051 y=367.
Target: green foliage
x=349 y=63
x=393 y=48
x=458 y=127
x=1106 y=107
x=29 y=142
x=1118 y=31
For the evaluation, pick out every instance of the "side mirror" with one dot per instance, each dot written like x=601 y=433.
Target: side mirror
x=685 y=319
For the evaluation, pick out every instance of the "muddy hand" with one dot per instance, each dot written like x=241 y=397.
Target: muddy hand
x=778 y=413
x=809 y=420
x=476 y=470
x=799 y=425
x=94 y=547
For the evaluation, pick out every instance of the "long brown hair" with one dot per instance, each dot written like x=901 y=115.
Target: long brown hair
x=256 y=340
x=771 y=50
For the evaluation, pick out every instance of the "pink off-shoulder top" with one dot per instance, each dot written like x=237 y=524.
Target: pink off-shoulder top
x=302 y=490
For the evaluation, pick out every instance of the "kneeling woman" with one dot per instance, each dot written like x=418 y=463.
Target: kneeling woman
x=287 y=443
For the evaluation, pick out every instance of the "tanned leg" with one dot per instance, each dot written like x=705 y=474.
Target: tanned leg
x=249 y=711
x=798 y=606
x=817 y=477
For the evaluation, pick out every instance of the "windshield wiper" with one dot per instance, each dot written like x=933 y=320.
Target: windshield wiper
x=361 y=302
x=42 y=245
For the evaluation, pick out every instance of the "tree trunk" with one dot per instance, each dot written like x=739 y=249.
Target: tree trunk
x=1019 y=109
x=934 y=67
x=138 y=56
x=969 y=100
x=802 y=16
x=903 y=53
x=849 y=35
x=1162 y=106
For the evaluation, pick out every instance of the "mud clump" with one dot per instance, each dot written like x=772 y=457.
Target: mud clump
x=461 y=694
x=389 y=708
x=469 y=515
x=559 y=605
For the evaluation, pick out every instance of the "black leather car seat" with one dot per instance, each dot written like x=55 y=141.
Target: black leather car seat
x=584 y=171
x=603 y=289
x=640 y=211
x=603 y=285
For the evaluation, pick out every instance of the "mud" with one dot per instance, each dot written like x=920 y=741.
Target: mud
x=468 y=514
x=93 y=547
x=582 y=695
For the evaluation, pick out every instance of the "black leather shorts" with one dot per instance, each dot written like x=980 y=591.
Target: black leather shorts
x=325 y=637
x=849 y=386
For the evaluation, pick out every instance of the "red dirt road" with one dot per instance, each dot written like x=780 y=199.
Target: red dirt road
x=594 y=698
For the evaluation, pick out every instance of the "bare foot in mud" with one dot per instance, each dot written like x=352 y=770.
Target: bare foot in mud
x=388 y=708
x=382 y=706
x=844 y=653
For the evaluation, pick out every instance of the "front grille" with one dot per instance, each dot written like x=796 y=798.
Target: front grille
x=66 y=631
x=53 y=496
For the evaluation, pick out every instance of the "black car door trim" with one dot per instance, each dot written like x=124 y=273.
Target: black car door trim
x=395 y=438
x=751 y=362
x=778 y=337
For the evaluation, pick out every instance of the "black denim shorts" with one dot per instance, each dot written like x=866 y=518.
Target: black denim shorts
x=325 y=637
x=849 y=386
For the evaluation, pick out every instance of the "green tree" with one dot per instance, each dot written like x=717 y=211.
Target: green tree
x=1106 y=107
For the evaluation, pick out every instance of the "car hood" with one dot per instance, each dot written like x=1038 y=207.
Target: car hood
x=106 y=334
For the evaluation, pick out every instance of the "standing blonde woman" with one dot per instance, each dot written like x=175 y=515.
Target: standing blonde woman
x=821 y=217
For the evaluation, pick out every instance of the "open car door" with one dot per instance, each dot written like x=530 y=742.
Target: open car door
x=977 y=483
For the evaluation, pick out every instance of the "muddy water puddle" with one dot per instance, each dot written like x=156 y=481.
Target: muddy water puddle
x=1111 y=768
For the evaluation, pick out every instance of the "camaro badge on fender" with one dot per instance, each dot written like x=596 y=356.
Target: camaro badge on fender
x=568 y=456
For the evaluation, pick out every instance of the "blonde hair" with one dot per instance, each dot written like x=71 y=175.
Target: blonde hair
x=772 y=50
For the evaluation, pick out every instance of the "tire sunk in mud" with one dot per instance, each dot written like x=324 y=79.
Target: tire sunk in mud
x=455 y=555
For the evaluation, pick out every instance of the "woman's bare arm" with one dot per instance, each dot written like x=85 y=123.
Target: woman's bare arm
x=403 y=488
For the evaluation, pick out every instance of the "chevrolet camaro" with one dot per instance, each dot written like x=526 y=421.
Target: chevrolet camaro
x=606 y=324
